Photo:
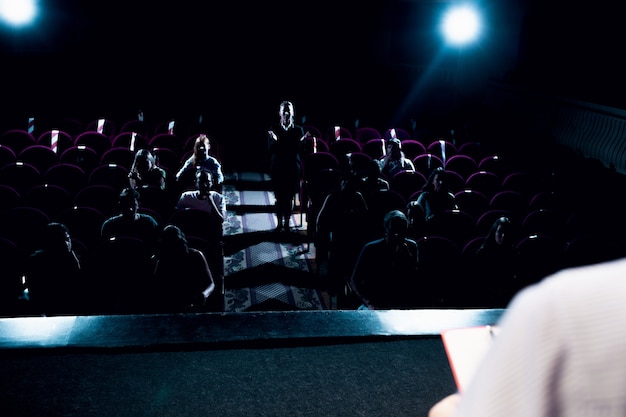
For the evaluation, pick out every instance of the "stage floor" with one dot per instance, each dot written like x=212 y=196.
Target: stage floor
x=297 y=363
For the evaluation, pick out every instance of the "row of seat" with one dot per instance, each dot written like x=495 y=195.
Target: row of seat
x=488 y=178
x=465 y=160
x=103 y=134
x=148 y=127
x=59 y=141
x=72 y=177
x=543 y=214
x=376 y=148
x=94 y=133
x=20 y=145
x=54 y=198
x=110 y=127
x=43 y=157
x=363 y=134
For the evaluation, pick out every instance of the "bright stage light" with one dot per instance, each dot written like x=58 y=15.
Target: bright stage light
x=461 y=25
x=17 y=12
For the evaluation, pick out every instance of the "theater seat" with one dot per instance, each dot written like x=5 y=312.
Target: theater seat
x=17 y=139
x=40 y=156
x=66 y=175
x=49 y=198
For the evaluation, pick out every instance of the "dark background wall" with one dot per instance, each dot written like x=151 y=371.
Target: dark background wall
x=381 y=62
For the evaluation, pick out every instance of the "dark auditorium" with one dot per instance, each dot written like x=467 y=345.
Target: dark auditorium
x=342 y=182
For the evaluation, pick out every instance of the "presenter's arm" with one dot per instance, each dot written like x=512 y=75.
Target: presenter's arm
x=445 y=407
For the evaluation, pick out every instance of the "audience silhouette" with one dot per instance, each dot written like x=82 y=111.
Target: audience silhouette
x=436 y=196
x=203 y=197
x=494 y=266
x=200 y=158
x=182 y=279
x=340 y=222
x=386 y=275
x=394 y=160
x=130 y=222
x=145 y=172
x=53 y=274
x=341 y=233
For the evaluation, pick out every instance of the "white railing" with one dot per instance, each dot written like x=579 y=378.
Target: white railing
x=592 y=130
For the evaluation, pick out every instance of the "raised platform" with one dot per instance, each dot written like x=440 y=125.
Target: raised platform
x=297 y=363
x=154 y=332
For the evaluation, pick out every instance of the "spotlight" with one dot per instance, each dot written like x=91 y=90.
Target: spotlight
x=17 y=12
x=461 y=25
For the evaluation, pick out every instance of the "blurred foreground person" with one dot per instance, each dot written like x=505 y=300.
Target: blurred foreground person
x=559 y=351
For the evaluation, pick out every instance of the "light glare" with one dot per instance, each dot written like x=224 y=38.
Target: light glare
x=17 y=12
x=461 y=25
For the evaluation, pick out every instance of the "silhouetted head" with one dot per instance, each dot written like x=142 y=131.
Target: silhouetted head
x=144 y=160
x=396 y=225
x=501 y=230
x=57 y=238
x=437 y=181
x=129 y=202
x=201 y=148
x=394 y=147
x=172 y=240
x=204 y=180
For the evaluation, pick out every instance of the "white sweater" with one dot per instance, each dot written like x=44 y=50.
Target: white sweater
x=561 y=350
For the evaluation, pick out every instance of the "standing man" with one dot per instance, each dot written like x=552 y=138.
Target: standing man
x=285 y=139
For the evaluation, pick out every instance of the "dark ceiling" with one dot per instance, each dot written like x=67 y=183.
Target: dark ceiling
x=234 y=61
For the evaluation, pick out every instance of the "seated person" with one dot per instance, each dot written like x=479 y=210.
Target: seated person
x=436 y=196
x=52 y=274
x=145 y=172
x=494 y=265
x=385 y=274
x=394 y=160
x=200 y=158
x=372 y=180
x=130 y=222
x=204 y=197
x=182 y=278
x=341 y=232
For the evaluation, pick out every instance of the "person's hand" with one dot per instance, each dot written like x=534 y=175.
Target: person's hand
x=306 y=135
x=272 y=134
x=445 y=407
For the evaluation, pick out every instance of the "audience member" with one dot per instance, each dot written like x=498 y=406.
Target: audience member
x=52 y=274
x=341 y=232
x=559 y=351
x=394 y=160
x=204 y=197
x=182 y=277
x=145 y=172
x=372 y=180
x=386 y=272
x=417 y=221
x=285 y=141
x=494 y=265
x=130 y=222
x=200 y=158
x=436 y=196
